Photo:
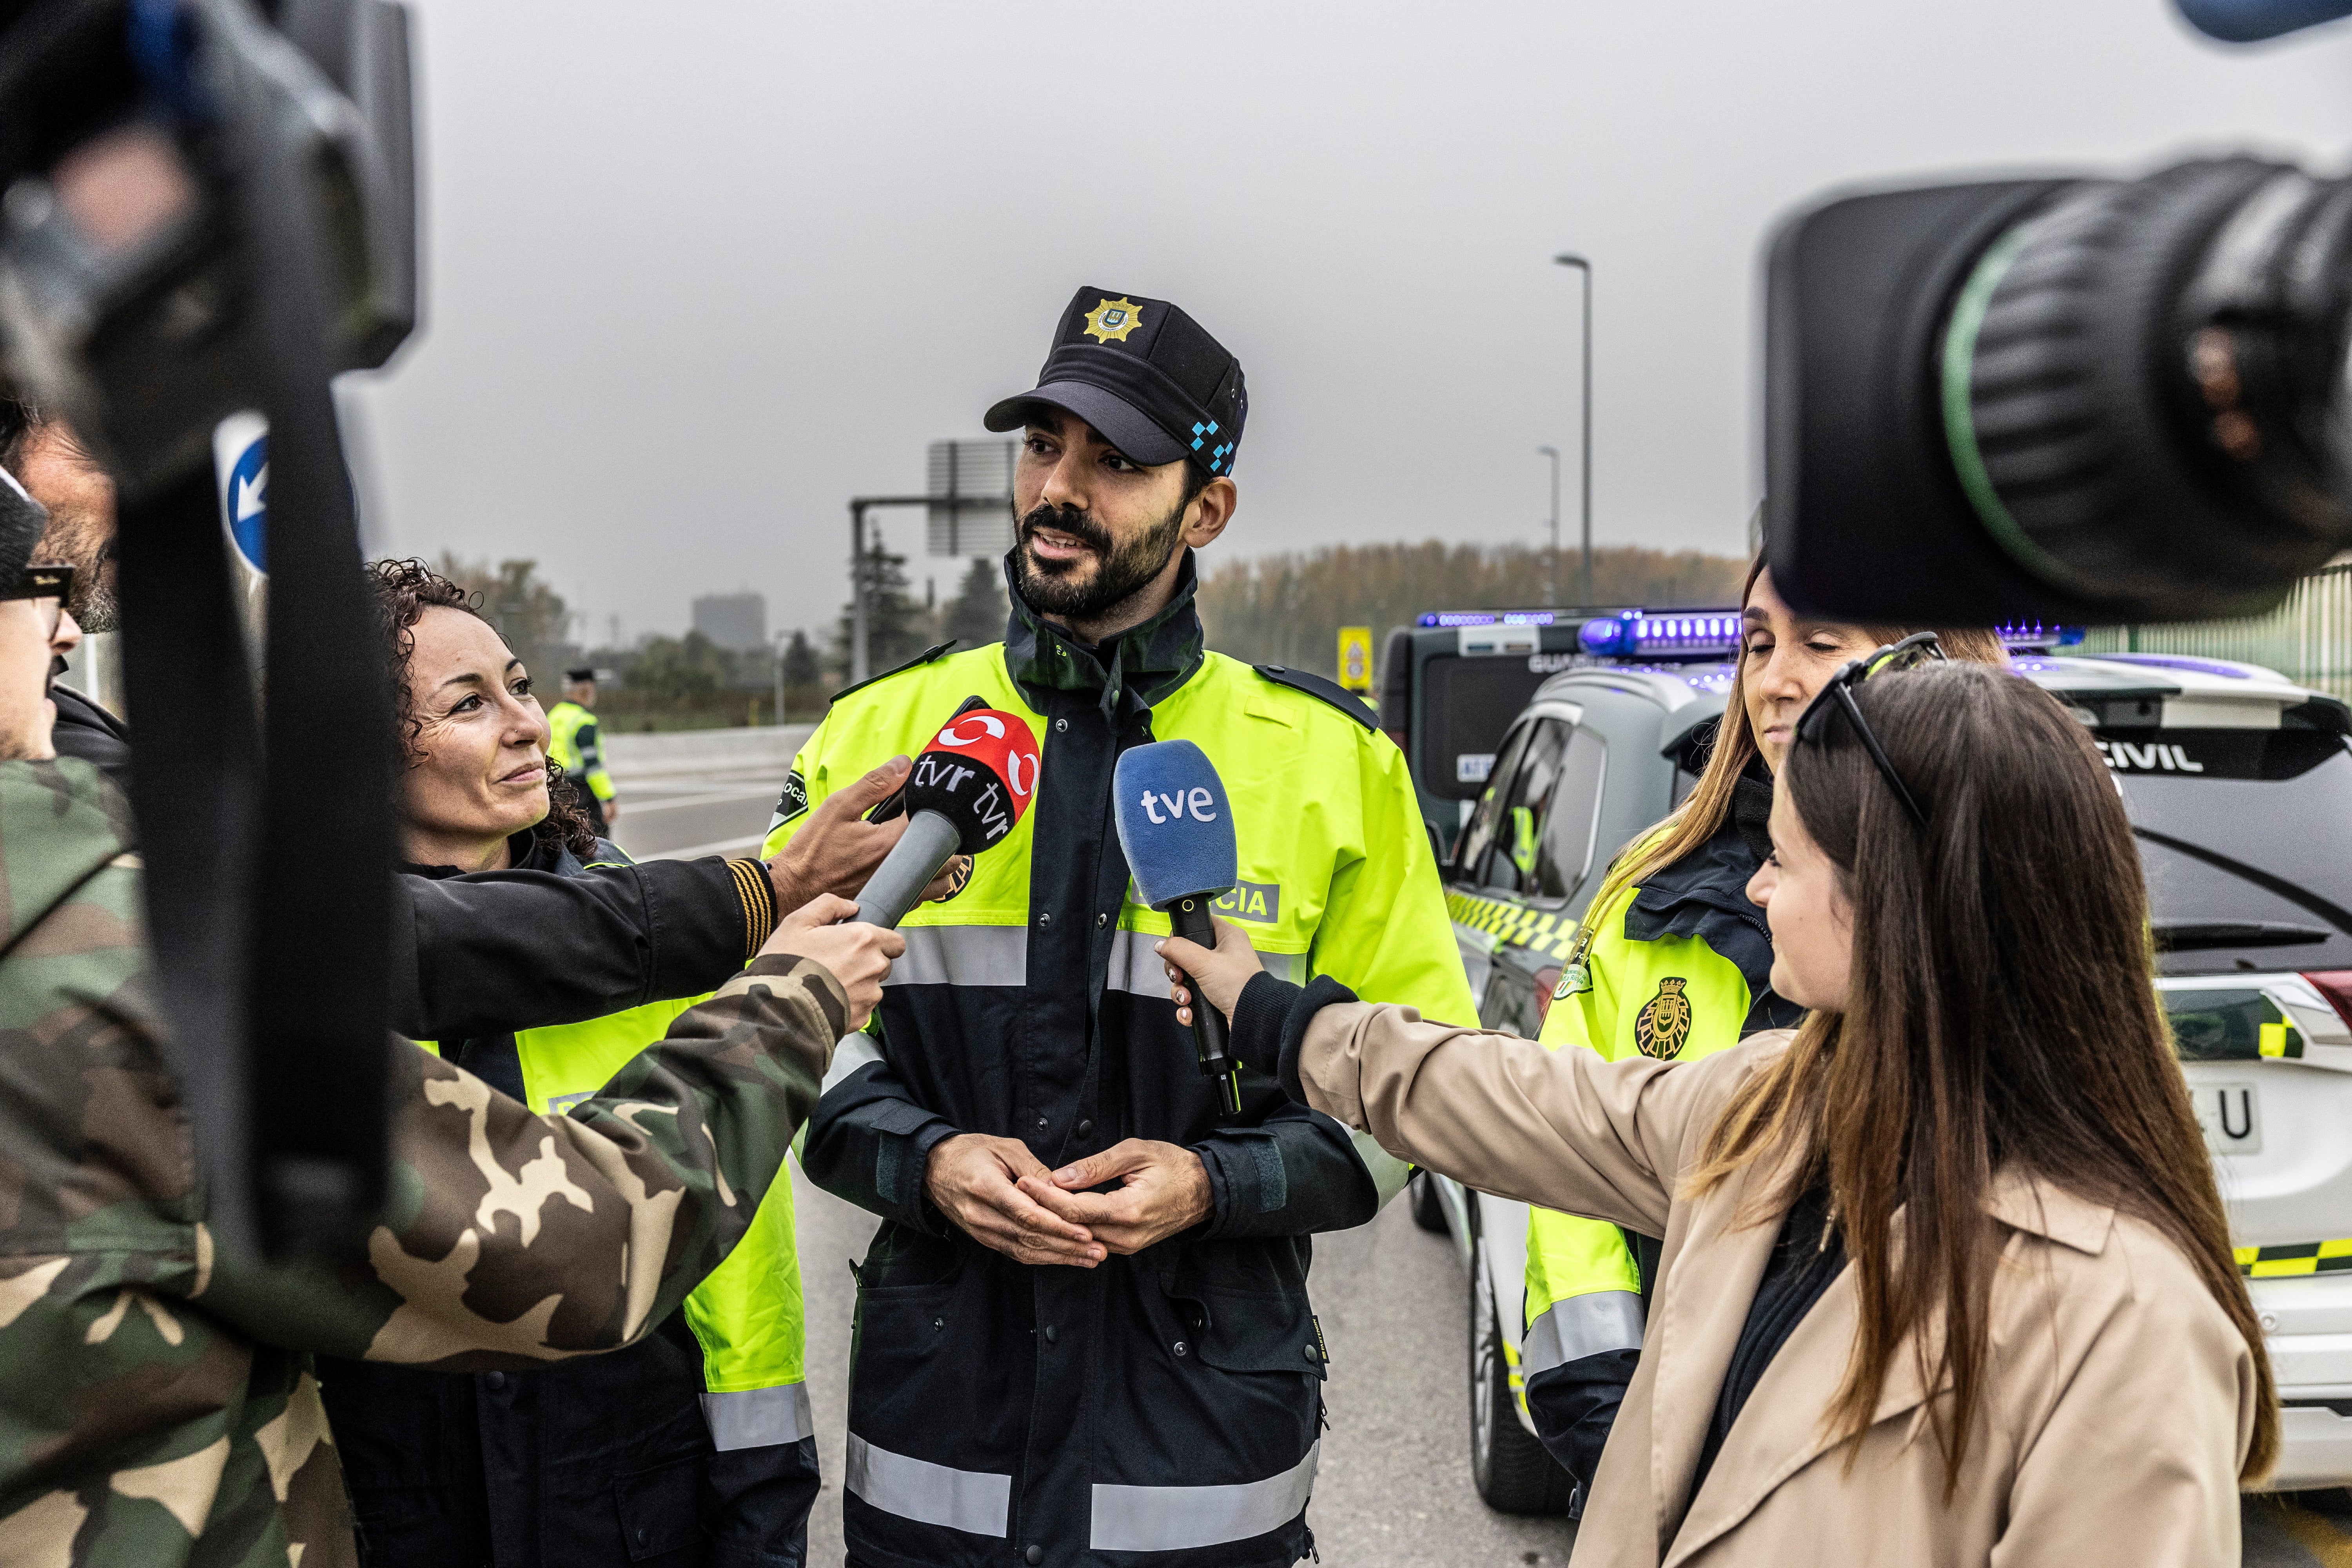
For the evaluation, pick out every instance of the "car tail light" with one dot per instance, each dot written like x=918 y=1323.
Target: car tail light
x=2336 y=985
x=1548 y=981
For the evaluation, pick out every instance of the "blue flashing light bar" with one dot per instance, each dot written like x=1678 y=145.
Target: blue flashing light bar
x=1637 y=634
x=2033 y=635
x=1490 y=618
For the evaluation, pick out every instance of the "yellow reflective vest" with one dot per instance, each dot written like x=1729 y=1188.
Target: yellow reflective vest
x=1676 y=968
x=574 y=744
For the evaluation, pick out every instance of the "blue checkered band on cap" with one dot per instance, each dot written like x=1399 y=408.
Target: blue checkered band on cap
x=1212 y=457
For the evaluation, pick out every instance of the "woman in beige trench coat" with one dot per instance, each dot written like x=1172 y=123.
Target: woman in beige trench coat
x=1947 y=1279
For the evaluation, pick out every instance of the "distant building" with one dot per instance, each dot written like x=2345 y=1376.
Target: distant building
x=736 y=621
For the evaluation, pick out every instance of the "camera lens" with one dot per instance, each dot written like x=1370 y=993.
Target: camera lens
x=2144 y=387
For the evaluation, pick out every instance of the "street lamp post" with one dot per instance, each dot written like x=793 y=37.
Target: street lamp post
x=1585 y=467
x=1552 y=591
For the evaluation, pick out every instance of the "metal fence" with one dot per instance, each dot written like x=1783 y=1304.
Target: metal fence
x=2308 y=639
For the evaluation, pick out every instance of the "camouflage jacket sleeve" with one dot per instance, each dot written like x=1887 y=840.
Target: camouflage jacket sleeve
x=514 y=1240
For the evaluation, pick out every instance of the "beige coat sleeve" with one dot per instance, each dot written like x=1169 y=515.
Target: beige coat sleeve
x=2132 y=1464
x=1562 y=1128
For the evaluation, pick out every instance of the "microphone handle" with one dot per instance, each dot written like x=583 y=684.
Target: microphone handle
x=897 y=884
x=1190 y=917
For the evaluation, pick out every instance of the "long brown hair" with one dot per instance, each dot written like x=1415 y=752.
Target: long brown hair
x=1703 y=812
x=2002 y=1018
x=404 y=591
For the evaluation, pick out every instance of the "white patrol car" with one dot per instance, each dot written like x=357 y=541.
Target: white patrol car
x=2239 y=785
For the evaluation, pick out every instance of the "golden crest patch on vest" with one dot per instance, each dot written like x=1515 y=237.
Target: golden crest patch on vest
x=1663 y=1023
x=1111 y=320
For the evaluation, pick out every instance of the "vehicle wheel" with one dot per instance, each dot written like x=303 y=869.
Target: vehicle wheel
x=1513 y=1472
x=1428 y=1208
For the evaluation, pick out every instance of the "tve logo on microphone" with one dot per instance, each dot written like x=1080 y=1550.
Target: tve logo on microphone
x=1198 y=801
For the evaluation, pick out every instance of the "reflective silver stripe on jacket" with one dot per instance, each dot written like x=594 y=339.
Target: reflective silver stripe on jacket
x=1172 y=1518
x=972 y=1501
x=1582 y=1326
x=851 y=1052
x=759 y=1417
x=1389 y=1174
x=962 y=955
x=1135 y=968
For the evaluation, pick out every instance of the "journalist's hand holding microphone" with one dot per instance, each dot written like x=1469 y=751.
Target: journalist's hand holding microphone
x=859 y=955
x=1220 y=976
x=838 y=850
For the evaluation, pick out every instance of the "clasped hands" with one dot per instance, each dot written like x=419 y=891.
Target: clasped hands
x=1004 y=1197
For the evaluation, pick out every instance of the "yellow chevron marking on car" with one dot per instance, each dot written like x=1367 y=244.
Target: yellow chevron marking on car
x=2302 y=1257
x=1513 y=925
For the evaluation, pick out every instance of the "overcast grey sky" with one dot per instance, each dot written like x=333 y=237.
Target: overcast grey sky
x=698 y=272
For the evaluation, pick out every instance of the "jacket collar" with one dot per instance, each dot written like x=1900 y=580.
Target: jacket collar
x=1130 y=672
x=526 y=851
x=60 y=824
x=1781 y=1429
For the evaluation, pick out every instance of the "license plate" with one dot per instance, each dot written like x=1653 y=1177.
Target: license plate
x=2232 y=1115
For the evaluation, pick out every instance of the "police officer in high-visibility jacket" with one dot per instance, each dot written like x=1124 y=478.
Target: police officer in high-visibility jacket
x=576 y=747
x=1083 y=1331
x=1673 y=962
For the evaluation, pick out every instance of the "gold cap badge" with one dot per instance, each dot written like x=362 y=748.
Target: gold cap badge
x=1111 y=320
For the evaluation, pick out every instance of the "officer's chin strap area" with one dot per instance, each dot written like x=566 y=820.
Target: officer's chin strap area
x=268 y=882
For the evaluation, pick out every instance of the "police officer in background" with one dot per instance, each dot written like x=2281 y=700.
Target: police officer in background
x=1083 y=1330
x=573 y=744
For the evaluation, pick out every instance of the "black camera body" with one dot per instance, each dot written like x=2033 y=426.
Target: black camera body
x=209 y=206
x=2061 y=399
x=131 y=214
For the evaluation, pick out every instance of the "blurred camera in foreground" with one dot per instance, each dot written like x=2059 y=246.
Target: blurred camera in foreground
x=2061 y=399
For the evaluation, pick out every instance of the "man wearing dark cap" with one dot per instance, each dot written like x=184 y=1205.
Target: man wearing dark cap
x=1083 y=1330
x=573 y=744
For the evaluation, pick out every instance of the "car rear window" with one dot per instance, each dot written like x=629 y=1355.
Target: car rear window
x=2246 y=837
x=1466 y=704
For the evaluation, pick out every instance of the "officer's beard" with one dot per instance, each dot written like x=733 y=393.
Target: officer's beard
x=1057 y=588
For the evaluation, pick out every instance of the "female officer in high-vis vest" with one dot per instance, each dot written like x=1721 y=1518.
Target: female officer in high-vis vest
x=695 y=1446
x=1673 y=960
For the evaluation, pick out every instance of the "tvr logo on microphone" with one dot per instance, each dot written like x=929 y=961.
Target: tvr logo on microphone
x=981 y=771
x=1196 y=802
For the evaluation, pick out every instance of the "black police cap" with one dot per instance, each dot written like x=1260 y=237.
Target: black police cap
x=579 y=675
x=1144 y=374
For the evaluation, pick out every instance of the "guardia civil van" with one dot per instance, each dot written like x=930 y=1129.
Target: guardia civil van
x=2239 y=785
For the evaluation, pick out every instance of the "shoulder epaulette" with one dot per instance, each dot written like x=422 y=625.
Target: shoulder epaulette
x=926 y=657
x=1330 y=691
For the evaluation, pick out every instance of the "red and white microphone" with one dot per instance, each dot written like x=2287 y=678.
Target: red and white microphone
x=970 y=785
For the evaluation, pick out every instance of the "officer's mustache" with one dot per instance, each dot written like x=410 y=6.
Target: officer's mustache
x=1067 y=520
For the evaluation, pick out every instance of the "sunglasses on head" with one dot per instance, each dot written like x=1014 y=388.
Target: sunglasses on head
x=1918 y=648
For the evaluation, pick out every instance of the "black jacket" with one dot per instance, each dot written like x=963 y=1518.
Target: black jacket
x=1055 y=1408
x=86 y=729
x=605 y=1460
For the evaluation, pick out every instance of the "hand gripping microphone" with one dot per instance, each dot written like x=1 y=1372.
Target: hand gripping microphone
x=969 y=786
x=1179 y=838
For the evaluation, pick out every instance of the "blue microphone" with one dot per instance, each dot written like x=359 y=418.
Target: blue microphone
x=1177 y=834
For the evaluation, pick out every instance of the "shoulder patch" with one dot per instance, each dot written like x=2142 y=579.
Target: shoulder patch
x=924 y=657
x=1330 y=691
x=791 y=802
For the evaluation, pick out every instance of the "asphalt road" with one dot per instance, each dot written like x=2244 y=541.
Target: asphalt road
x=1393 y=1487
x=709 y=813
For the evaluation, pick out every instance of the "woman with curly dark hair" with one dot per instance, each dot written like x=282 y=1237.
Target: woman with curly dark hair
x=475 y=772
x=693 y=1446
